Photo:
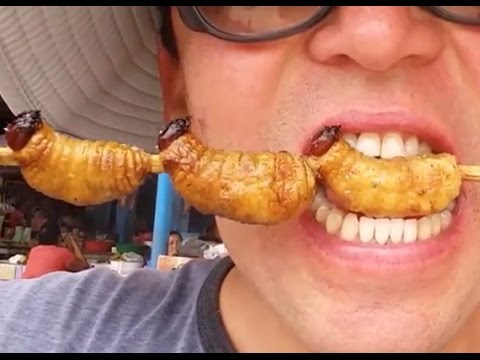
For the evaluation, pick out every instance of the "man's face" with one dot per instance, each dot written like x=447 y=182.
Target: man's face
x=375 y=70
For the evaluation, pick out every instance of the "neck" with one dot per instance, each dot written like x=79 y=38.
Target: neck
x=253 y=326
x=467 y=339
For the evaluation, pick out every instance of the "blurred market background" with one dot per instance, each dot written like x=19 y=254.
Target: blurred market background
x=118 y=227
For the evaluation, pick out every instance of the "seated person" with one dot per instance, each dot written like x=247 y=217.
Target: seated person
x=174 y=241
x=49 y=255
x=17 y=217
x=38 y=220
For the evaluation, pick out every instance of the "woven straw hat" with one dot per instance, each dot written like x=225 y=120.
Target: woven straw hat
x=91 y=70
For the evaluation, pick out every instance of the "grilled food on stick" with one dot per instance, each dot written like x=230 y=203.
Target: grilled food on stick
x=250 y=187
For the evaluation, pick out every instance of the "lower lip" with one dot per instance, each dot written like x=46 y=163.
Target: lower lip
x=382 y=259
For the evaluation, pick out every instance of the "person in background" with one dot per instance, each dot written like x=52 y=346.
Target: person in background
x=174 y=241
x=17 y=217
x=39 y=218
x=50 y=256
x=211 y=233
x=70 y=222
x=142 y=232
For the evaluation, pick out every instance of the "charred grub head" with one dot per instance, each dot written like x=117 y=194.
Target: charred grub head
x=19 y=132
x=324 y=140
x=173 y=131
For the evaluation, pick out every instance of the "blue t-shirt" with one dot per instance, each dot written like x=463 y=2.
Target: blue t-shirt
x=99 y=311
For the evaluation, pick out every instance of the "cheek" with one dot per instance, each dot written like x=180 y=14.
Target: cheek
x=467 y=97
x=468 y=127
x=261 y=249
x=231 y=91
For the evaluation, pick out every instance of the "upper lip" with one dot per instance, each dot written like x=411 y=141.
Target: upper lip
x=438 y=135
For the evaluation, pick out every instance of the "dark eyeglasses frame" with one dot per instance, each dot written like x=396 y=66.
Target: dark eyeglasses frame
x=195 y=21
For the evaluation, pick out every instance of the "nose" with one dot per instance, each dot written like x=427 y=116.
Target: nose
x=377 y=37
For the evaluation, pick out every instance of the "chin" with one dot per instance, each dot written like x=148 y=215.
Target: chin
x=331 y=318
x=337 y=301
x=385 y=333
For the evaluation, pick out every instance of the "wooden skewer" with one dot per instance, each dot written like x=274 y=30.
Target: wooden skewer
x=69 y=241
x=468 y=172
x=6 y=157
x=156 y=163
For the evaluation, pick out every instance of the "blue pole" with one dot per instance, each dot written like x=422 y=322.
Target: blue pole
x=163 y=214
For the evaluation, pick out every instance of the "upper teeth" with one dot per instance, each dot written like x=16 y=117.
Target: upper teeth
x=389 y=145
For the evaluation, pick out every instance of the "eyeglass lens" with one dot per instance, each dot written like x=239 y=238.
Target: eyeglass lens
x=262 y=19
x=463 y=12
x=256 y=19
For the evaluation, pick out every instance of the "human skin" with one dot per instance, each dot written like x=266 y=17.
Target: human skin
x=273 y=96
x=173 y=242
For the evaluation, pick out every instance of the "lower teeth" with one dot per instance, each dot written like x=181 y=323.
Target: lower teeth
x=352 y=227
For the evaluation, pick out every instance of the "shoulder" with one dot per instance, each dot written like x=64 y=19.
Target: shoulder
x=37 y=250
x=145 y=311
x=42 y=250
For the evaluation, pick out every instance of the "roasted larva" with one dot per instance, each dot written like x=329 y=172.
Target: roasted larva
x=399 y=187
x=77 y=171
x=266 y=188
x=255 y=188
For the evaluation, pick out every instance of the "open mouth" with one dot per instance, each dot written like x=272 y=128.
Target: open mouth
x=353 y=227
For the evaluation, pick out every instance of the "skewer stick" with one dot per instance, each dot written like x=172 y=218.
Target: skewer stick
x=6 y=157
x=156 y=163
x=468 y=172
x=69 y=241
